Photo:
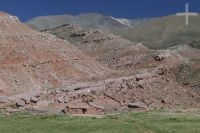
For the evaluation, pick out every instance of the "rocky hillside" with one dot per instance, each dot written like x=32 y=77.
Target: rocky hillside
x=107 y=48
x=32 y=60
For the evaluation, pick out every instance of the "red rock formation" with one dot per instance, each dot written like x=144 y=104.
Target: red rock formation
x=33 y=60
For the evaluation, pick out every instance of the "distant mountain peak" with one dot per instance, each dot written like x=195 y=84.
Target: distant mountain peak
x=89 y=20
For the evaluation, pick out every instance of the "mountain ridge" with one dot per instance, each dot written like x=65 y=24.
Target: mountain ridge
x=95 y=20
x=164 y=32
x=156 y=33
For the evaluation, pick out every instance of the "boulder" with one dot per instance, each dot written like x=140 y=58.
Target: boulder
x=161 y=70
x=65 y=111
x=143 y=76
x=163 y=101
x=26 y=100
x=162 y=55
x=137 y=105
x=141 y=83
x=20 y=103
x=34 y=99
x=4 y=99
x=61 y=99
x=76 y=34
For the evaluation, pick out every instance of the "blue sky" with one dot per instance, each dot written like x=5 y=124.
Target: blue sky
x=27 y=9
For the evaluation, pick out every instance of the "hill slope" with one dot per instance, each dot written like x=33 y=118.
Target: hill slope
x=105 y=47
x=32 y=60
x=165 y=32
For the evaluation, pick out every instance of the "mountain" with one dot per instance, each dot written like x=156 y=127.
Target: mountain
x=88 y=20
x=155 y=33
x=32 y=60
x=165 y=32
x=41 y=73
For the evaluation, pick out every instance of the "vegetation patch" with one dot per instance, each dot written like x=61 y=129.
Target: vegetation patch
x=148 y=122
